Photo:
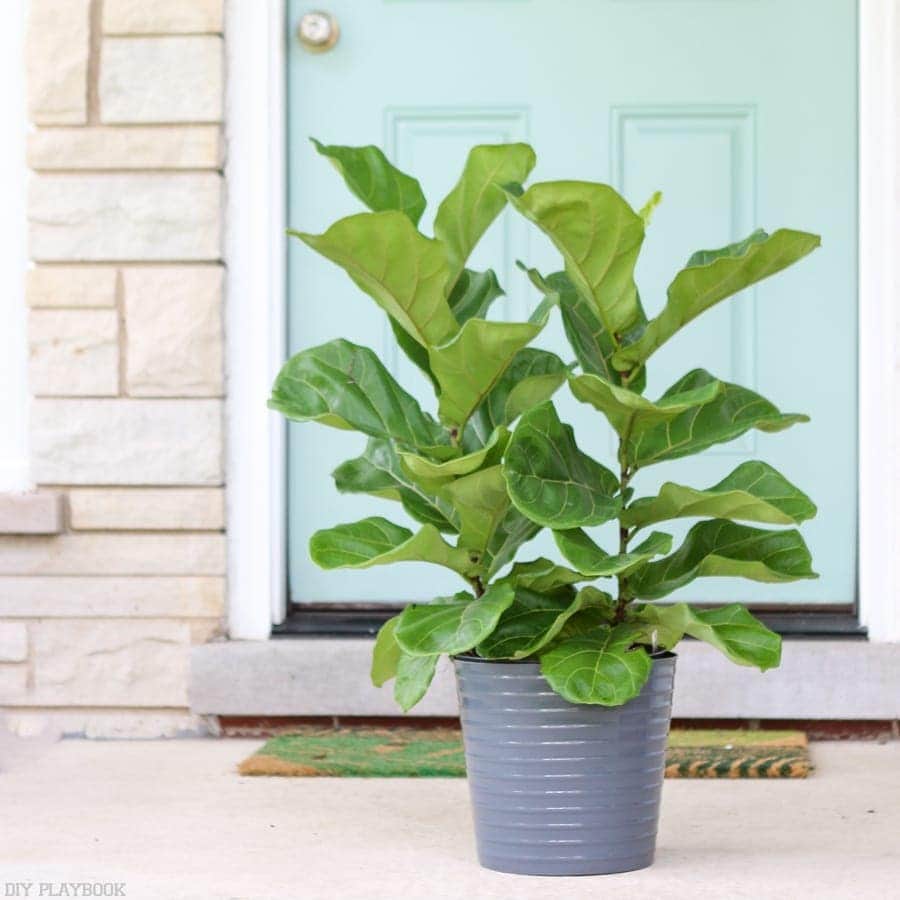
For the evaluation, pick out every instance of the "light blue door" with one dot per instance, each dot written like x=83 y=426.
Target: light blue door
x=743 y=112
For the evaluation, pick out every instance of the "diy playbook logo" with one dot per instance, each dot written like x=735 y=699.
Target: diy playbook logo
x=64 y=889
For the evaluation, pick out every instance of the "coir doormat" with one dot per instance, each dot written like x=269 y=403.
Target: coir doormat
x=368 y=752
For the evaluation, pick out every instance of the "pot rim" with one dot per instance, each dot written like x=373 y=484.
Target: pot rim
x=469 y=657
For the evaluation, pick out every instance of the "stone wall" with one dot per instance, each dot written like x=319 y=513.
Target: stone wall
x=125 y=333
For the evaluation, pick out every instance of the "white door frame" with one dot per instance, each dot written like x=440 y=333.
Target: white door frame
x=255 y=252
x=14 y=460
x=879 y=281
x=256 y=313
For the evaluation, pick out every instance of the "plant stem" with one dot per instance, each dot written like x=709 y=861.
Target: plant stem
x=477 y=585
x=624 y=535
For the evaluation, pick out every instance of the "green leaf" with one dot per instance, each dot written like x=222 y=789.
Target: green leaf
x=532 y=377
x=453 y=627
x=598 y=612
x=469 y=366
x=530 y=623
x=731 y=629
x=603 y=669
x=377 y=542
x=592 y=344
x=599 y=236
x=647 y=210
x=378 y=472
x=414 y=675
x=477 y=199
x=371 y=473
x=432 y=472
x=591 y=560
x=722 y=548
x=542 y=576
x=473 y=294
x=754 y=492
x=513 y=531
x=629 y=413
x=550 y=480
x=401 y=269
x=733 y=412
x=481 y=502
x=471 y=298
x=345 y=386
x=372 y=178
x=713 y=275
x=386 y=653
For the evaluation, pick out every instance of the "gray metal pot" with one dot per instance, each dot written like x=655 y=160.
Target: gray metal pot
x=560 y=788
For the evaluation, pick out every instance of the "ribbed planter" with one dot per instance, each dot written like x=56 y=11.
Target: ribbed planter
x=560 y=788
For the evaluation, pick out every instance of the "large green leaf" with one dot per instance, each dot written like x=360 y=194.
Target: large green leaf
x=401 y=269
x=550 y=480
x=754 y=492
x=722 y=548
x=377 y=542
x=542 y=575
x=734 y=411
x=592 y=344
x=603 y=668
x=346 y=386
x=532 y=377
x=386 y=653
x=599 y=236
x=414 y=675
x=589 y=559
x=435 y=472
x=531 y=622
x=469 y=366
x=477 y=199
x=713 y=275
x=378 y=472
x=372 y=178
x=731 y=629
x=473 y=294
x=452 y=627
x=481 y=502
x=629 y=413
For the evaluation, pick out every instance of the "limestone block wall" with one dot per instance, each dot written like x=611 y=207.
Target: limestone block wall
x=125 y=299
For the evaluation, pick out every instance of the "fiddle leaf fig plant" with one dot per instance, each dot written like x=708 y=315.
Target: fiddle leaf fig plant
x=493 y=464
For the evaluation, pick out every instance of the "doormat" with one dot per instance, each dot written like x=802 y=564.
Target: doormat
x=370 y=752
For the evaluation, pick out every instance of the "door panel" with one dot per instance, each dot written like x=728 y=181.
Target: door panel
x=735 y=109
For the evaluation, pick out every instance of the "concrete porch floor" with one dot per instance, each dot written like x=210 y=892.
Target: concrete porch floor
x=173 y=820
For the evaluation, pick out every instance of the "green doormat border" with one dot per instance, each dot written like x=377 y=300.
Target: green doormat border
x=369 y=752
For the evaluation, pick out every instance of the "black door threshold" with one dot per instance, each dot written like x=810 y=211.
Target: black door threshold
x=364 y=621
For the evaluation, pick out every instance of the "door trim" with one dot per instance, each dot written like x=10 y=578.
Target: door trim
x=257 y=184
x=256 y=187
x=879 y=281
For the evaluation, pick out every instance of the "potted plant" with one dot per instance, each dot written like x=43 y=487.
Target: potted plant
x=565 y=687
